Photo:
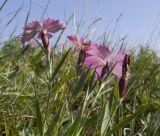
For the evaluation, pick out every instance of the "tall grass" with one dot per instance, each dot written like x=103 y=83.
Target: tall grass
x=42 y=95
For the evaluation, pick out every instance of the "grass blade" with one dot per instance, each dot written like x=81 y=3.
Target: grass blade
x=39 y=117
x=1 y=7
x=59 y=37
x=59 y=66
x=127 y=119
x=80 y=83
x=105 y=119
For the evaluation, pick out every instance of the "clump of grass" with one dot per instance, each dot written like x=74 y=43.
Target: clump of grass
x=45 y=95
x=77 y=105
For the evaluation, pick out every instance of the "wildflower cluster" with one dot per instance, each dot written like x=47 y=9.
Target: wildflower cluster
x=102 y=61
x=95 y=56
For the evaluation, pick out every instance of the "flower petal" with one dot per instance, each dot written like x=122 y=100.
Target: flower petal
x=117 y=60
x=49 y=35
x=93 y=62
x=52 y=25
x=118 y=57
x=27 y=36
x=33 y=26
x=117 y=70
x=80 y=44
x=101 y=51
x=30 y=31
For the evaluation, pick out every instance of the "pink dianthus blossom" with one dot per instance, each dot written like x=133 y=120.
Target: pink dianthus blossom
x=43 y=30
x=81 y=44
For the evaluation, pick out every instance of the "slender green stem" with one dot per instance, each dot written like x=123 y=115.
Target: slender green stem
x=49 y=85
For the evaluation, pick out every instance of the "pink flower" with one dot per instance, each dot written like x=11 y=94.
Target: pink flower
x=117 y=60
x=99 y=60
x=43 y=30
x=84 y=48
x=80 y=44
x=102 y=61
x=98 y=57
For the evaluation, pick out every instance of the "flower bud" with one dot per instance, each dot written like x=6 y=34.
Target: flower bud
x=45 y=39
x=104 y=70
x=125 y=75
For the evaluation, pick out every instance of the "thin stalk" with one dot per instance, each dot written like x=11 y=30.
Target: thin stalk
x=1 y=7
x=49 y=86
x=133 y=122
x=120 y=116
x=112 y=113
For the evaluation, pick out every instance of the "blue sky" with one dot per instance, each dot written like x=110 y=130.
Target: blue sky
x=138 y=20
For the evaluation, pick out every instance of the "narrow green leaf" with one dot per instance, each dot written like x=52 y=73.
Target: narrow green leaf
x=76 y=128
x=91 y=82
x=24 y=132
x=39 y=118
x=116 y=91
x=113 y=105
x=105 y=118
x=45 y=9
x=8 y=55
x=127 y=119
x=6 y=127
x=59 y=37
x=54 y=121
x=52 y=125
x=13 y=17
x=80 y=83
x=1 y=7
x=59 y=66
x=71 y=130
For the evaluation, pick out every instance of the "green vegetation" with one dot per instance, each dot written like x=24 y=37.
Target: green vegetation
x=41 y=98
x=47 y=95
